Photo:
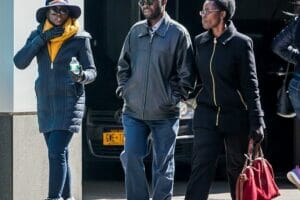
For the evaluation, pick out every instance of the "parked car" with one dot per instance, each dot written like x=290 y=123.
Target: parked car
x=104 y=136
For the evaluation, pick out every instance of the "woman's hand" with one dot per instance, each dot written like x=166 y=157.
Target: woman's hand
x=77 y=76
x=52 y=33
x=257 y=134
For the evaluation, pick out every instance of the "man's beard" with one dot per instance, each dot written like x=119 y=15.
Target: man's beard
x=156 y=13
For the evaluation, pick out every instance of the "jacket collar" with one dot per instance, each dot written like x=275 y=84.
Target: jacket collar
x=224 y=38
x=162 y=30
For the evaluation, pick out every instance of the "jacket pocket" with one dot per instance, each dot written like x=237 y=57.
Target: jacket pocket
x=70 y=90
x=124 y=90
x=79 y=89
x=175 y=99
x=169 y=97
x=242 y=99
x=75 y=89
x=37 y=86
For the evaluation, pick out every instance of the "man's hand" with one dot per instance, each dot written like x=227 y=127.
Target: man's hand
x=52 y=33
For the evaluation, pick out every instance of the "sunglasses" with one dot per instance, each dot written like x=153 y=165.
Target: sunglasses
x=203 y=13
x=59 y=10
x=146 y=2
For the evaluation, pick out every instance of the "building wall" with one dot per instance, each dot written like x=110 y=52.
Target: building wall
x=6 y=53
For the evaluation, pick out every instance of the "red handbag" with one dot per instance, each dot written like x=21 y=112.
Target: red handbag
x=256 y=181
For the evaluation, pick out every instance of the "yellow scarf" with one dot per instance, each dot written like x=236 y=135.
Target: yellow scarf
x=71 y=28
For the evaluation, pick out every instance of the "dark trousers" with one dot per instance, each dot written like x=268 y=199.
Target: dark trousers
x=59 y=170
x=208 y=145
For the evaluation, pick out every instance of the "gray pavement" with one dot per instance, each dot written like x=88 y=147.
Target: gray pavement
x=114 y=190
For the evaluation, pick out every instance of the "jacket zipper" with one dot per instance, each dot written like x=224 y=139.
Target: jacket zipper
x=147 y=75
x=218 y=115
x=213 y=82
x=52 y=63
x=242 y=99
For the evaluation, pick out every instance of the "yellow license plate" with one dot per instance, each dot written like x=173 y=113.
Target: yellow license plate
x=113 y=137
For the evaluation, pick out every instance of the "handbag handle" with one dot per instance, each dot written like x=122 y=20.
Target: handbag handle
x=286 y=73
x=254 y=150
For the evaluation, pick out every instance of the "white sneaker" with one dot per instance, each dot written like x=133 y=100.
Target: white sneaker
x=71 y=198
x=54 y=199
x=294 y=176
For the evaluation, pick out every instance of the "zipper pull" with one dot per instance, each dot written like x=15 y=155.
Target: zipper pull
x=51 y=66
x=215 y=40
x=151 y=38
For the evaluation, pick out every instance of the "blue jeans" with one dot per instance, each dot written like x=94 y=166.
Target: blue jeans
x=294 y=94
x=59 y=170
x=163 y=134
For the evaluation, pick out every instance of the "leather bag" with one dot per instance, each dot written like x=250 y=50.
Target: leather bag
x=256 y=181
x=284 y=106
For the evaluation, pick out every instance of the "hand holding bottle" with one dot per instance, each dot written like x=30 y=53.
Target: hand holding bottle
x=76 y=71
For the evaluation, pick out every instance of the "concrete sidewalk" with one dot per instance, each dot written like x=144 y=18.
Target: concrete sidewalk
x=220 y=192
x=108 y=190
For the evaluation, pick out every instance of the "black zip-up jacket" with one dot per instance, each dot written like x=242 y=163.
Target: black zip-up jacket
x=229 y=98
x=155 y=72
x=287 y=44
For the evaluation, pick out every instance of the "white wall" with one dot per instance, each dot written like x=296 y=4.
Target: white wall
x=24 y=23
x=6 y=53
x=17 y=19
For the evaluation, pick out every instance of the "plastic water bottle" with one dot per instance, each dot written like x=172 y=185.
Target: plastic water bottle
x=75 y=66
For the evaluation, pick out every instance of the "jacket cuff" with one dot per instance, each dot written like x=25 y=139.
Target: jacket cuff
x=257 y=122
x=38 y=41
x=119 y=92
x=82 y=78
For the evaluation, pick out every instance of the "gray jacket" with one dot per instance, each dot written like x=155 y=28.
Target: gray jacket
x=155 y=73
x=60 y=101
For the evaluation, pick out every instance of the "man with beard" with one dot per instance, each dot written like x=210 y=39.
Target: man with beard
x=154 y=74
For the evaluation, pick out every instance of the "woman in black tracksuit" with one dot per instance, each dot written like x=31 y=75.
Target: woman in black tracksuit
x=228 y=105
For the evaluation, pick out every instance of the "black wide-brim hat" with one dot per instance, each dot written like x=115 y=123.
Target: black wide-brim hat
x=75 y=11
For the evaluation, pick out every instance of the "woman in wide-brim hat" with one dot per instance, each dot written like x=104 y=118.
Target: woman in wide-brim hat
x=59 y=90
x=287 y=45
